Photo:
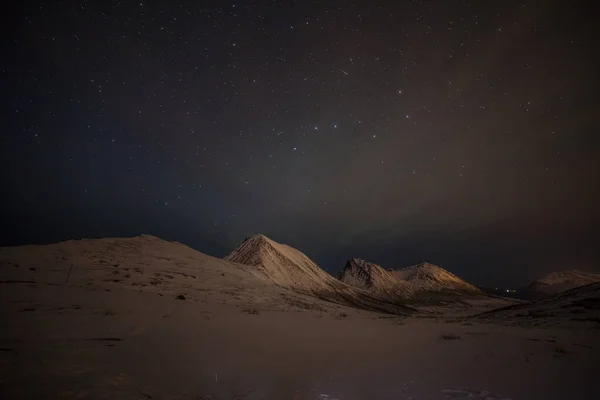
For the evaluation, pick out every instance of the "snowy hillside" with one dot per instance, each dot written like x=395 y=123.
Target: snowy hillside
x=144 y=263
x=281 y=278
x=431 y=278
x=557 y=282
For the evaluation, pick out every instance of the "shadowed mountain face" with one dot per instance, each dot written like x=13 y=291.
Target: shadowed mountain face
x=290 y=268
x=558 y=282
x=374 y=279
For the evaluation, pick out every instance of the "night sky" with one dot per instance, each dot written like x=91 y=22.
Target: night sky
x=461 y=133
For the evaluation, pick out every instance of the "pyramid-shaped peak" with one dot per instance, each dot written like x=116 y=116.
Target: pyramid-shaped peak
x=251 y=249
x=259 y=237
x=281 y=264
x=256 y=243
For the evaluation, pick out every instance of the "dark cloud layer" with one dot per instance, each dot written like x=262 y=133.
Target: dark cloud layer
x=461 y=133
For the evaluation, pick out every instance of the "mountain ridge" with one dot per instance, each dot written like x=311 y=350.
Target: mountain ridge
x=420 y=282
x=559 y=281
x=288 y=267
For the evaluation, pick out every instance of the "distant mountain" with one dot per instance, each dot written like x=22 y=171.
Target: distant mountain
x=290 y=268
x=418 y=283
x=578 y=304
x=557 y=282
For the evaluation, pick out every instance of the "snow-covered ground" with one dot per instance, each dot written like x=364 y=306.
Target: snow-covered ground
x=102 y=320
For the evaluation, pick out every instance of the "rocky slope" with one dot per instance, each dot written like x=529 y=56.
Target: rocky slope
x=373 y=278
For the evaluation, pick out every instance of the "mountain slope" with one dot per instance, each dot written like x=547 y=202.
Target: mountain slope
x=557 y=282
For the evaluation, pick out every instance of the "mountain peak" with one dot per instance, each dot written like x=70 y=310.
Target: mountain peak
x=370 y=276
x=358 y=272
x=258 y=238
x=431 y=277
x=281 y=264
x=402 y=283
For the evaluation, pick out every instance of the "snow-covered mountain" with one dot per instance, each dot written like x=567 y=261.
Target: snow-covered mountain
x=290 y=268
x=421 y=282
x=557 y=282
x=282 y=264
x=275 y=276
x=431 y=278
